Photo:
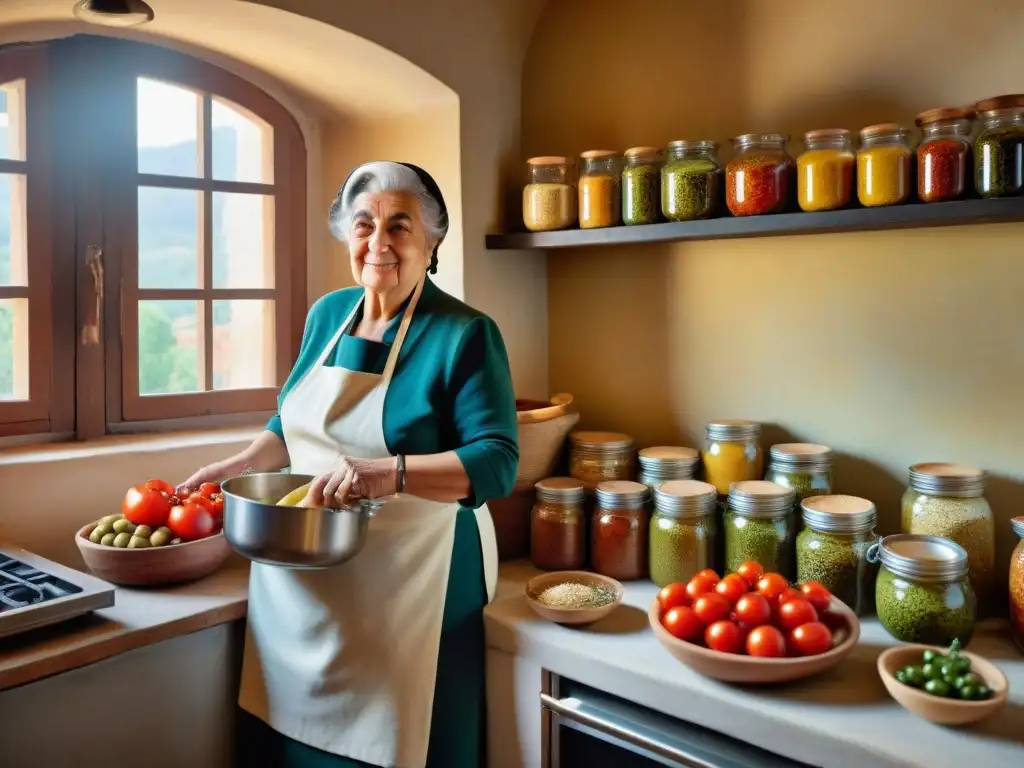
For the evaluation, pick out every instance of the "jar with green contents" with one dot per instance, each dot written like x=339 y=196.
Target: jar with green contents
x=832 y=549
x=641 y=186
x=662 y=463
x=683 y=531
x=691 y=181
x=948 y=500
x=922 y=594
x=999 y=148
x=759 y=525
x=804 y=467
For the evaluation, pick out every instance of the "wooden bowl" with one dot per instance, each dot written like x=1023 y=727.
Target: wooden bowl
x=538 y=584
x=171 y=564
x=737 y=668
x=936 y=708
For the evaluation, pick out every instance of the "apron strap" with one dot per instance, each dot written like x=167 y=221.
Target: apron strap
x=403 y=329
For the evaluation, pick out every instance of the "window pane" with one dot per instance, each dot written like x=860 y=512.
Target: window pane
x=169 y=349
x=169 y=237
x=168 y=129
x=13 y=349
x=243 y=144
x=243 y=344
x=13 y=261
x=12 y=120
x=243 y=240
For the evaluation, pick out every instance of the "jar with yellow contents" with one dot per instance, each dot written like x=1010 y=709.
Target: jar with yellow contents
x=732 y=453
x=825 y=170
x=600 y=199
x=884 y=165
x=549 y=197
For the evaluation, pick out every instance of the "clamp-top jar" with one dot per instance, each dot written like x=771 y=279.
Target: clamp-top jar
x=732 y=453
x=600 y=202
x=999 y=148
x=683 y=531
x=558 y=539
x=691 y=181
x=944 y=154
x=832 y=549
x=761 y=176
x=804 y=467
x=759 y=526
x=662 y=463
x=599 y=456
x=619 y=530
x=641 y=186
x=549 y=197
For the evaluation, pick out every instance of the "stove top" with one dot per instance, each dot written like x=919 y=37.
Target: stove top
x=22 y=585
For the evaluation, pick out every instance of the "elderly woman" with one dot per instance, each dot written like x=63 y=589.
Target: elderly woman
x=402 y=391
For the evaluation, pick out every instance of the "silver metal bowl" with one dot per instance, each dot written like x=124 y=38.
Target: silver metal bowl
x=292 y=537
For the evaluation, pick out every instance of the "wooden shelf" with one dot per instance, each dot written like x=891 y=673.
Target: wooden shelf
x=916 y=215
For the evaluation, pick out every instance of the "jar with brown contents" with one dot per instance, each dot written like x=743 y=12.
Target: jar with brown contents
x=599 y=456
x=1017 y=585
x=549 y=197
x=662 y=463
x=557 y=525
x=619 y=530
x=600 y=201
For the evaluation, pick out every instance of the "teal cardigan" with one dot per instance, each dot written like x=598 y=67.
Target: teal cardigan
x=451 y=390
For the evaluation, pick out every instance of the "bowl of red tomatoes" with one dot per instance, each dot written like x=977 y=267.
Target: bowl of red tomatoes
x=752 y=626
x=158 y=537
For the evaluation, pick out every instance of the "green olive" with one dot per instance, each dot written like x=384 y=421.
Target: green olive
x=103 y=528
x=138 y=542
x=938 y=687
x=929 y=656
x=915 y=676
x=108 y=540
x=122 y=539
x=96 y=535
x=123 y=526
x=983 y=692
x=902 y=677
x=143 y=531
x=160 y=538
x=110 y=519
x=932 y=671
x=970 y=679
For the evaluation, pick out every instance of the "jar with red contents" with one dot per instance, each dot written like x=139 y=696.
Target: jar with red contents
x=760 y=177
x=619 y=530
x=944 y=154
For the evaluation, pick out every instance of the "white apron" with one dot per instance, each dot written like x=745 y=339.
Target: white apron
x=344 y=659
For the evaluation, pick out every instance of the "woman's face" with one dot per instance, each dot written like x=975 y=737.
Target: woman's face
x=387 y=242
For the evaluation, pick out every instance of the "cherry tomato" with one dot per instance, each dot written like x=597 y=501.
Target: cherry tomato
x=201 y=501
x=771 y=585
x=191 y=521
x=672 y=595
x=732 y=588
x=709 y=574
x=700 y=584
x=766 y=641
x=724 y=636
x=752 y=610
x=683 y=623
x=817 y=595
x=811 y=639
x=209 y=489
x=711 y=607
x=145 y=506
x=750 y=572
x=159 y=485
x=794 y=613
x=791 y=593
x=217 y=502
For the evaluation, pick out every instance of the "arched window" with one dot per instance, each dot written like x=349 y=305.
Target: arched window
x=175 y=192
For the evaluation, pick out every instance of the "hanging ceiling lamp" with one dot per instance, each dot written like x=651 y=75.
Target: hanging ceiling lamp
x=113 y=13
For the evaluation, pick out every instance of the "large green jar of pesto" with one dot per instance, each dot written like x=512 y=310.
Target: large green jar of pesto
x=760 y=526
x=922 y=594
x=832 y=548
x=683 y=531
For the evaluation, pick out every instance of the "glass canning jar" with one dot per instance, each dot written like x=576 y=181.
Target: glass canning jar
x=922 y=594
x=691 y=181
x=549 y=198
x=948 y=500
x=832 y=549
x=824 y=170
x=600 y=201
x=883 y=165
x=557 y=526
x=804 y=467
x=666 y=462
x=683 y=532
x=944 y=154
x=759 y=525
x=999 y=147
x=641 y=186
x=761 y=175
x=619 y=530
x=732 y=453
x=598 y=456
x=1017 y=585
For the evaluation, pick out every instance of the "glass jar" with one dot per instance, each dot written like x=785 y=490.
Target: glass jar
x=922 y=593
x=1017 y=585
x=691 y=181
x=600 y=199
x=999 y=148
x=759 y=526
x=948 y=500
x=549 y=200
x=943 y=156
x=599 y=456
x=760 y=176
x=666 y=462
x=641 y=186
x=683 y=532
x=558 y=539
x=832 y=549
x=883 y=165
x=824 y=171
x=804 y=467
x=619 y=530
x=732 y=453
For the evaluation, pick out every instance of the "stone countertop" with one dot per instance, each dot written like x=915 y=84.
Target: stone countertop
x=841 y=719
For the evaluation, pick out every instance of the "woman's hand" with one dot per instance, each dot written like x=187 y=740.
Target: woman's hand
x=212 y=473
x=354 y=478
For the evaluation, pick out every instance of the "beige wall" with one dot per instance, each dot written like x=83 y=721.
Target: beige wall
x=893 y=348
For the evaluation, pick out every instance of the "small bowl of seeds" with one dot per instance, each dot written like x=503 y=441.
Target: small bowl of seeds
x=573 y=597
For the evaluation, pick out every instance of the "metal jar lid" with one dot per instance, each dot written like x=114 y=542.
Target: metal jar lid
x=560 y=490
x=601 y=442
x=733 y=429
x=621 y=494
x=941 y=479
x=685 y=498
x=667 y=455
x=800 y=457
x=920 y=557
x=1017 y=523
x=760 y=498
x=838 y=514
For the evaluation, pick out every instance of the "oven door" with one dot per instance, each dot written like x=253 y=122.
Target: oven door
x=586 y=728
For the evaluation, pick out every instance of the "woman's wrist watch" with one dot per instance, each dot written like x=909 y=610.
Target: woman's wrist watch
x=399 y=473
